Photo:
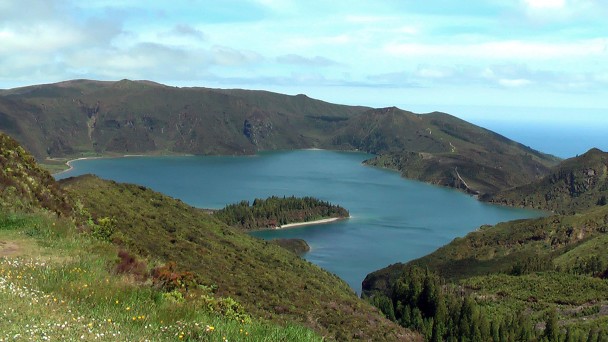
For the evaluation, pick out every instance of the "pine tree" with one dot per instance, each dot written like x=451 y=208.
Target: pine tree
x=551 y=327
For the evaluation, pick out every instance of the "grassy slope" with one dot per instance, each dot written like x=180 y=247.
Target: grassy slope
x=534 y=264
x=57 y=284
x=77 y=118
x=59 y=281
x=269 y=281
x=23 y=185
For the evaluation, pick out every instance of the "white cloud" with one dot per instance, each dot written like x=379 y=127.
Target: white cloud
x=502 y=50
x=300 y=60
x=514 y=82
x=39 y=38
x=184 y=30
x=227 y=56
x=545 y=4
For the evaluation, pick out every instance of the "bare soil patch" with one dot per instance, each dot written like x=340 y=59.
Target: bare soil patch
x=9 y=249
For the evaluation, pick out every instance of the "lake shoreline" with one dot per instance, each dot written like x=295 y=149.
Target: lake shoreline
x=387 y=210
x=69 y=164
x=309 y=223
x=110 y=156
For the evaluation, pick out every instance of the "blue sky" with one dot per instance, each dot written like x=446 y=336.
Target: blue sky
x=476 y=59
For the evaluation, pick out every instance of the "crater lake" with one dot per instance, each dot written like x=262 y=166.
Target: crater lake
x=392 y=219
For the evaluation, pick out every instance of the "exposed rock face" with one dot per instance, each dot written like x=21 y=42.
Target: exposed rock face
x=257 y=127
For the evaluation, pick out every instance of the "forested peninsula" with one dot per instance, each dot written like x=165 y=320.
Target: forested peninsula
x=277 y=212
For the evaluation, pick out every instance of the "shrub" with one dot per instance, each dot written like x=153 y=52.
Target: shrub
x=168 y=279
x=128 y=264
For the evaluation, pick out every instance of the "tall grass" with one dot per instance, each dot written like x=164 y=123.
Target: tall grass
x=60 y=286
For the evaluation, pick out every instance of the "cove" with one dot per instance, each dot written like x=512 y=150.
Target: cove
x=392 y=219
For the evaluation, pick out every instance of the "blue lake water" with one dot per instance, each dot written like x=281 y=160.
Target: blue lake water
x=393 y=219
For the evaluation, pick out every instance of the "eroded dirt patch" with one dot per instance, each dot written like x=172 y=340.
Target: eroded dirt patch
x=9 y=249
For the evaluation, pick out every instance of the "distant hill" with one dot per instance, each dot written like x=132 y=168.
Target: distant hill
x=74 y=117
x=441 y=149
x=575 y=185
x=82 y=118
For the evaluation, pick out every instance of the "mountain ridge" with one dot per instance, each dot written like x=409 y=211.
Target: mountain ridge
x=82 y=118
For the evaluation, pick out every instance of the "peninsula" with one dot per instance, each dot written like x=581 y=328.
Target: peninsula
x=280 y=212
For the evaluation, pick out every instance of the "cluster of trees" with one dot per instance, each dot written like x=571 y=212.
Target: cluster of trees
x=592 y=265
x=537 y=263
x=276 y=211
x=420 y=300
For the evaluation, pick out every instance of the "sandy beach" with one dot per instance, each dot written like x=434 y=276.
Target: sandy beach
x=298 y=224
x=69 y=164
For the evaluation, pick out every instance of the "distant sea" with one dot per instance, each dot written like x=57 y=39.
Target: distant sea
x=559 y=140
x=562 y=132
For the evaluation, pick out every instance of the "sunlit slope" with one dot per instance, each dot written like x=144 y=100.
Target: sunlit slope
x=62 y=279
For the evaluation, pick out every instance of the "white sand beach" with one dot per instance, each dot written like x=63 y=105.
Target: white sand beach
x=298 y=224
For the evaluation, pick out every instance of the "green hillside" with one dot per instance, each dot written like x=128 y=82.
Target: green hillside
x=127 y=263
x=575 y=185
x=441 y=149
x=538 y=266
x=83 y=118
x=80 y=117
x=24 y=185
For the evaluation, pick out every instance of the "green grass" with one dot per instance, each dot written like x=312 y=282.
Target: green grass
x=62 y=288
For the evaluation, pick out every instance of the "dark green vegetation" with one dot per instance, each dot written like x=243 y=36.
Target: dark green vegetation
x=499 y=307
x=82 y=118
x=23 y=185
x=297 y=246
x=274 y=212
x=575 y=185
x=126 y=260
x=548 y=273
